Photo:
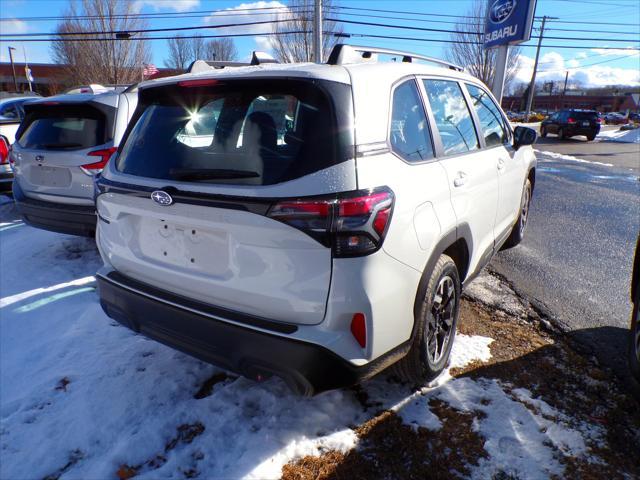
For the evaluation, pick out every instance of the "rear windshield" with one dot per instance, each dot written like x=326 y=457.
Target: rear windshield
x=63 y=128
x=583 y=115
x=238 y=132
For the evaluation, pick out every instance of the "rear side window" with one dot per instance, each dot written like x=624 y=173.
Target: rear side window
x=233 y=132
x=409 y=134
x=492 y=122
x=63 y=128
x=452 y=116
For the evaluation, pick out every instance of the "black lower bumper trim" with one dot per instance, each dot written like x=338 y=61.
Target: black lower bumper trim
x=307 y=368
x=56 y=217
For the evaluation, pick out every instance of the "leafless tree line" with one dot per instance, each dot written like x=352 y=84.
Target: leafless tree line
x=298 y=47
x=183 y=51
x=111 y=60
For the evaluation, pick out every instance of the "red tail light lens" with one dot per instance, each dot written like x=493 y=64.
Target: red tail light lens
x=599 y=120
x=4 y=151
x=96 y=167
x=571 y=120
x=359 y=329
x=351 y=225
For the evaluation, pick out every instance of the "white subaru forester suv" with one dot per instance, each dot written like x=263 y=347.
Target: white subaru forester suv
x=312 y=222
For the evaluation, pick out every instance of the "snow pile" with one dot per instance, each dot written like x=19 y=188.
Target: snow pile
x=569 y=158
x=626 y=136
x=82 y=395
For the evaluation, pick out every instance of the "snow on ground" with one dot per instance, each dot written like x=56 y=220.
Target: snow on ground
x=626 y=136
x=570 y=158
x=82 y=397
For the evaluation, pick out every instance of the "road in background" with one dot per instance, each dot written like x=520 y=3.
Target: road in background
x=578 y=249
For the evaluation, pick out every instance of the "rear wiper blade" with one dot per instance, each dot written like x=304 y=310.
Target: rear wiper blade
x=61 y=145
x=210 y=173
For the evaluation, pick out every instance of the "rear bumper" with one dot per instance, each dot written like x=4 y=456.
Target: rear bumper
x=56 y=217
x=201 y=331
x=586 y=131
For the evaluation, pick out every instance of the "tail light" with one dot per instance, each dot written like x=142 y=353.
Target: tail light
x=571 y=120
x=599 y=120
x=359 y=329
x=96 y=167
x=4 y=151
x=352 y=225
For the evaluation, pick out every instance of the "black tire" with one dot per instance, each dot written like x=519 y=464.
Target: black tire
x=634 y=348
x=561 y=134
x=435 y=324
x=591 y=138
x=517 y=232
x=543 y=132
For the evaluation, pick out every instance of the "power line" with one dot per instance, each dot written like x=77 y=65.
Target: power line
x=144 y=30
x=407 y=27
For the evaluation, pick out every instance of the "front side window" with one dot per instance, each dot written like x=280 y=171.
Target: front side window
x=452 y=116
x=492 y=123
x=409 y=134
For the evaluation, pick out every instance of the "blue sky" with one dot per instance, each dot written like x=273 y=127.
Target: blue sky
x=589 y=65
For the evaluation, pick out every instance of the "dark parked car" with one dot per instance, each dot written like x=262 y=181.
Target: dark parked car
x=569 y=123
x=634 y=343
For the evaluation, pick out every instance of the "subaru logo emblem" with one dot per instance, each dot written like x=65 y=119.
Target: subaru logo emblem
x=162 y=198
x=40 y=158
x=500 y=10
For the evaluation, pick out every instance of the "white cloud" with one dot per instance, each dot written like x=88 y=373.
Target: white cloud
x=616 y=51
x=175 y=5
x=12 y=25
x=247 y=13
x=243 y=14
x=553 y=66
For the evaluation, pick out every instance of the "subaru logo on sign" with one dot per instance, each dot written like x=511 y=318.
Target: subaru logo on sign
x=501 y=10
x=162 y=198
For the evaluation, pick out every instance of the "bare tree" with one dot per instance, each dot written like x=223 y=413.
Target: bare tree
x=478 y=61
x=179 y=53
x=108 y=60
x=222 y=49
x=298 y=47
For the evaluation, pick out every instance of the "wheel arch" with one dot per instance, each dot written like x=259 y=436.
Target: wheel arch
x=457 y=244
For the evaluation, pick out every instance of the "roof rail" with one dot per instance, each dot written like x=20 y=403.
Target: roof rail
x=343 y=53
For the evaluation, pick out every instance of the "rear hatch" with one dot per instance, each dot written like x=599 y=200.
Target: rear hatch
x=203 y=199
x=60 y=146
x=585 y=119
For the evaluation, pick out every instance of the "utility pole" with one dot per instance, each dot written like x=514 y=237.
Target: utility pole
x=13 y=68
x=564 y=89
x=317 y=32
x=532 y=85
x=27 y=70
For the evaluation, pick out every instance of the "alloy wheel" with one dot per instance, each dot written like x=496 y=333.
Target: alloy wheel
x=439 y=328
x=524 y=212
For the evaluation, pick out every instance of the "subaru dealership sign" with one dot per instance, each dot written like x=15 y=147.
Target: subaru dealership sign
x=508 y=22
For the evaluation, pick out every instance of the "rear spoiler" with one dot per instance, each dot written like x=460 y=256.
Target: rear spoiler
x=257 y=58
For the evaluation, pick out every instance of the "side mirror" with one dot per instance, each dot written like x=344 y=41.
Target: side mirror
x=523 y=136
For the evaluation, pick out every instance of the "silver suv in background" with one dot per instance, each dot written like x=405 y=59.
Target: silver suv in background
x=63 y=142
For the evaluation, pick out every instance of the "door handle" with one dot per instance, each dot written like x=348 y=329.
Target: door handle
x=501 y=164
x=460 y=179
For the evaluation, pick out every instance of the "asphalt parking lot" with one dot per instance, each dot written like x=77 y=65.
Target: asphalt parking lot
x=577 y=254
